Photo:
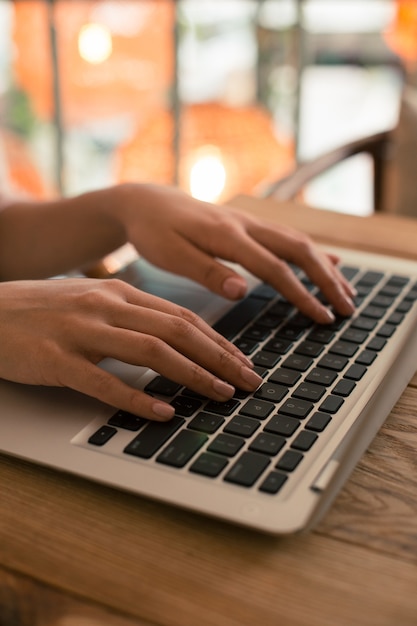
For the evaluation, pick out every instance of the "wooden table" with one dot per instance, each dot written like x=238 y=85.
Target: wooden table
x=74 y=553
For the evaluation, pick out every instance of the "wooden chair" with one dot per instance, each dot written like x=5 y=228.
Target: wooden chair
x=378 y=146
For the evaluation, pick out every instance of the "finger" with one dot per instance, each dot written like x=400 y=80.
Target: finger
x=300 y=250
x=87 y=378
x=142 y=317
x=202 y=267
x=179 y=351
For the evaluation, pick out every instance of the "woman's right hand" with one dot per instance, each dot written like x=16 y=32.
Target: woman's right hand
x=55 y=332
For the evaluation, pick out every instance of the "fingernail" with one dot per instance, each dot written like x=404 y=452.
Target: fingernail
x=349 y=305
x=251 y=377
x=164 y=410
x=328 y=314
x=234 y=287
x=223 y=388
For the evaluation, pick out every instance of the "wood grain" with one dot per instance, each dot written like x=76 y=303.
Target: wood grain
x=169 y=567
x=382 y=233
x=26 y=602
x=378 y=506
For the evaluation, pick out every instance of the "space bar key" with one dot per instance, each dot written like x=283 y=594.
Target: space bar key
x=238 y=317
x=152 y=437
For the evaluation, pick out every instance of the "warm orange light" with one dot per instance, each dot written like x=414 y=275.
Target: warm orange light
x=95 y=43
x=401 y=36
x=207 y=174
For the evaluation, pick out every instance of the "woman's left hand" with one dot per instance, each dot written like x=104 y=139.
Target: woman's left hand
x=185 y=236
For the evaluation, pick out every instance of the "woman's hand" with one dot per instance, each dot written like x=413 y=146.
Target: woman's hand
x=55 y=332
x=180 y=234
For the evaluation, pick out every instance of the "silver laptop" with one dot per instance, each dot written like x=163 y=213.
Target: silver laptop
x=273 y=460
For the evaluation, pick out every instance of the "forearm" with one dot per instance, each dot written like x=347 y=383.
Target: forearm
x=41 y=239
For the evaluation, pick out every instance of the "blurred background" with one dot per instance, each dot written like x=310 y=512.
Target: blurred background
x=217 y=96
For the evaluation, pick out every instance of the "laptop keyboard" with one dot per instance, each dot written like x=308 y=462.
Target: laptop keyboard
x=258 y=440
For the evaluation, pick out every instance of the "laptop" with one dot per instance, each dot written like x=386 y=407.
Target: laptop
x=273 y=460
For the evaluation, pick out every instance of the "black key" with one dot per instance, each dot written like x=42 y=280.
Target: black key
x=280 y=346
x=363 y=290
x=309 y=348
x=390 y=290
x=355 y=372
x=265 y=443
x=333 y=362
x=344 y=387
x=270 y=321
x=344 y=348
x=193 y=394
x=242 y=426
x=182 y=448
x=296 y=408
x=398 y=280
x=366 y=357
x=289 y=332
x=247 y=469
x=281 y=309
x=374 y=312
x=321 y=376
x=318 y=422
x=246 y=345
x=271 y=392
x=289 y=460
x=338 y=323
x=237 y=318
x=354 y=335
x=371 y=278
x=265 y=359
x=321 y=335
x=411 y=296
x=128 y=421
x=262 y=371
x=349 y=271
x=206 y=422
x=386 y=330
x=186 y=406
x=264 y=291
x=377 y=343
x=309 y=391
x=382 y=300
x=331 y=404
x=153 y=437
x=284 y=377
x=298 y=362
x=304 y=440
x=257 y=408
x=102 y=436
x=395 y=318
x=282 y=425
x=208 y=464
x=225 y=444
x=162 y=386
x=273 y=482
x=403 y=307
x=257 y=333
x=241 y=394
x=363 y=323
x=222 y=408
x=301 y=320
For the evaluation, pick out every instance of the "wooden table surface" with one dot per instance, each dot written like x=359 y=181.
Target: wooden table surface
x=73 y=553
